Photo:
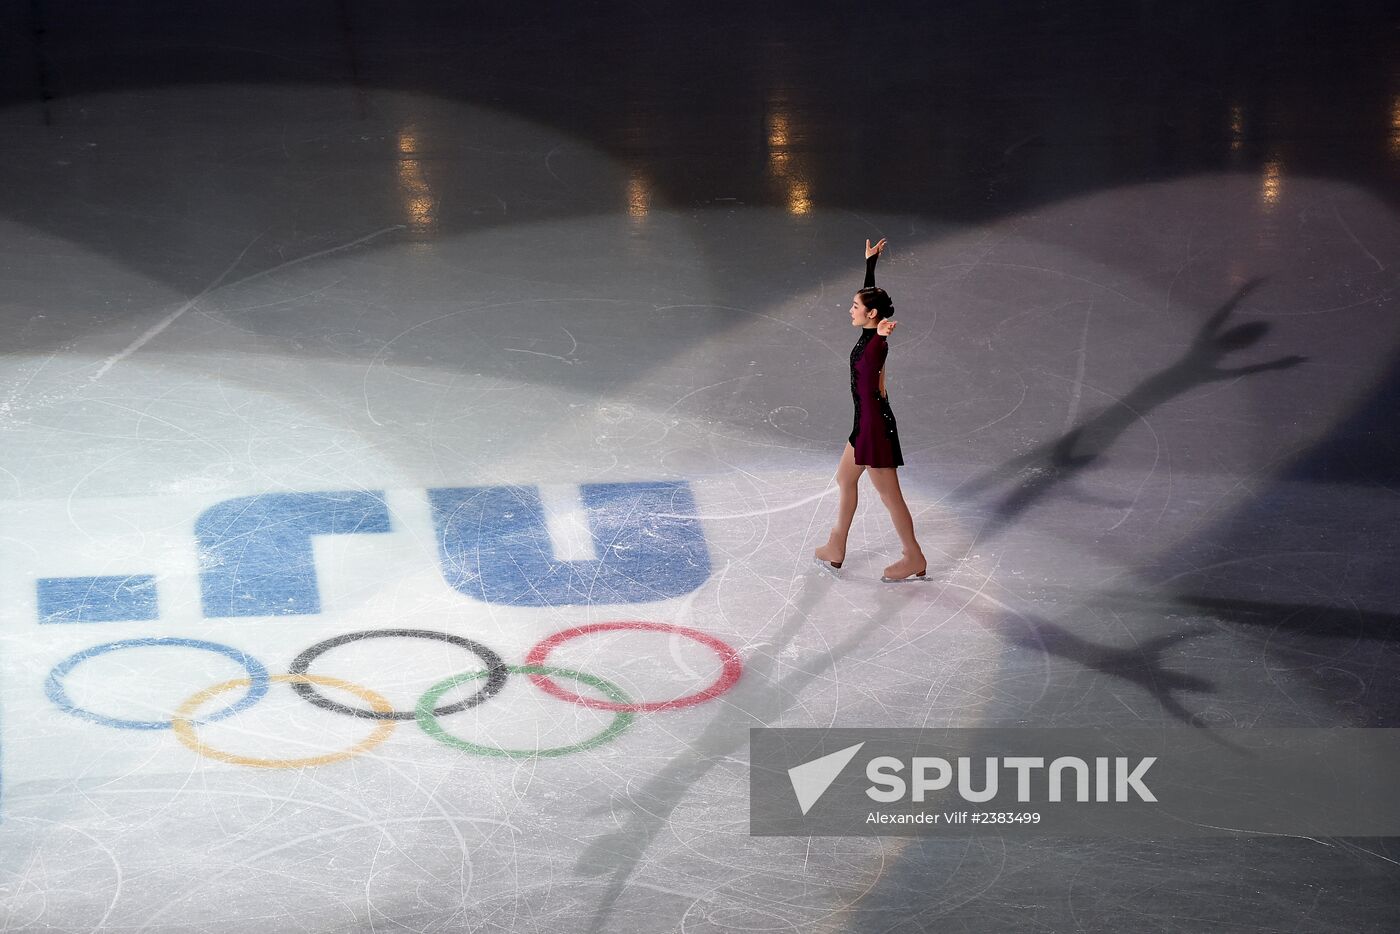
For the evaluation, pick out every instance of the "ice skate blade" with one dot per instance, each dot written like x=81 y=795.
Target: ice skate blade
x=831 y=567
x=919 y=578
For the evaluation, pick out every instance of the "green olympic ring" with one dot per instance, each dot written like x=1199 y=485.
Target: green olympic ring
x=428 y=720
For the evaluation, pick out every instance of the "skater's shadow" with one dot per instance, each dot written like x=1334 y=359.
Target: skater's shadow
x=1058 y=462
x=1140 y=665
x=1334 y=648
x=758 y=700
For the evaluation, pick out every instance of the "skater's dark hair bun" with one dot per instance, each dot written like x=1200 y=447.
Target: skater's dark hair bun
x=878 y=299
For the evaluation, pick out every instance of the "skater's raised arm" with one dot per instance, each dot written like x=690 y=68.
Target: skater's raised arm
x=872 y=253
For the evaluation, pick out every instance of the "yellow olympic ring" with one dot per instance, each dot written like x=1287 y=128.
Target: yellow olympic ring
x=184 y=728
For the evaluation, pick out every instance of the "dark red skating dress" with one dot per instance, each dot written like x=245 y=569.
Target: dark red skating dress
x=874 y=436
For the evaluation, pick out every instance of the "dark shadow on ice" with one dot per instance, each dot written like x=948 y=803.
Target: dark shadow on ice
x=1140 y=665
x=1346 y=652
x=1058 y=462
x=1293 y=619
x=758 y=700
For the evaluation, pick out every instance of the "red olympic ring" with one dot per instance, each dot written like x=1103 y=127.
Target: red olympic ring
x=729 y=675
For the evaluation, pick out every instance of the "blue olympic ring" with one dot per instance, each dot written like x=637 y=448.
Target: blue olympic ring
x=53 y=686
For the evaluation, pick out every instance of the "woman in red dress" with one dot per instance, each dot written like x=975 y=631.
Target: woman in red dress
x=874 y=441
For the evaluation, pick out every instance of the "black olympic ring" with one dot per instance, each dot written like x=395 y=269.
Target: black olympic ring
x=496 y=668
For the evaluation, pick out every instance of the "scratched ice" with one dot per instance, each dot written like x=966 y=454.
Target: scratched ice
x=507 y=434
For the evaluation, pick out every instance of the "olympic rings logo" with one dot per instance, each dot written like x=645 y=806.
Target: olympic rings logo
x=426 y=712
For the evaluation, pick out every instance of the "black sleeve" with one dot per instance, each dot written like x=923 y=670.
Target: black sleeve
x=870 y=270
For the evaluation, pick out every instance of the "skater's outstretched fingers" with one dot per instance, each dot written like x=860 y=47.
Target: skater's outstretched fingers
x=885 y=327
x=874 y=250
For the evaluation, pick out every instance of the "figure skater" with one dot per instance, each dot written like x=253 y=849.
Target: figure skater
x=874 y=442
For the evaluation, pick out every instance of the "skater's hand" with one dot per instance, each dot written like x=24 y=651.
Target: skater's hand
x=875 y=250
x=885 y=327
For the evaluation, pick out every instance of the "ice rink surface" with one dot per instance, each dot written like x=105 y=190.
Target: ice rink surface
x=362 y=360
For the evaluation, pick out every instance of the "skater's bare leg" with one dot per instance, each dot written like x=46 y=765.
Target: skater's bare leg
x=847 y=480
x=886 y=481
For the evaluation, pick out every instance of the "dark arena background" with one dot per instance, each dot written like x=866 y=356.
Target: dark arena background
x=365 y=357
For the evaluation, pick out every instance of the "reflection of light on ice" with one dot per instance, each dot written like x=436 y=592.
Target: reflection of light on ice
x=799 y=201
x=418 y=195
x=1272 y=184
x=777 y=130
x=1395 y=127
x=638 y=196
x=782 y=164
